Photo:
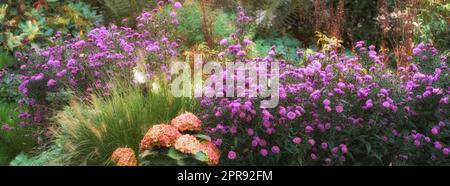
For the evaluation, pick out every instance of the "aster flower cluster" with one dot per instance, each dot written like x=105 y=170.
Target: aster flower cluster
x=165 y=136
x=335 y=110
x=84 y=64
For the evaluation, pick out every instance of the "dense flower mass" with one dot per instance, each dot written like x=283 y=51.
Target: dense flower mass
x=213 y=153
x=86 y=64
x=188 y=144
x=160 y=136
x=332 y=102
x=187 y=122
x=124 y=157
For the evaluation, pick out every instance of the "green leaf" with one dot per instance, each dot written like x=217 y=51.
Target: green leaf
x=175 y=154
x=203 y=137
x=201 y=156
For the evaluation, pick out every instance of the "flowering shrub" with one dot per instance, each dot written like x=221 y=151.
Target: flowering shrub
x=85 y=65
x=90 y=131
x=187 y=122
x=160 y=135
x=336 y=110
x=124 y=157
x=15 y=137
x=164 y=145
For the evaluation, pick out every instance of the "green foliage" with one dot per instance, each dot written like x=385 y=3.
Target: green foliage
x=31 y=25
x=8 y=87
x=92 y=131
x=14 y=139
x=432 y=24
x=50 y=157
x=190 y=28
x=285 y=44
x=172 y=157
x=120 y=9
x=6 y=59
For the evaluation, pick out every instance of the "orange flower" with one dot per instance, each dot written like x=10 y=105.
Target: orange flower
x=187 y=122
x=160 y=136
x=188 y=144
x=124 y=157
x=212 y=152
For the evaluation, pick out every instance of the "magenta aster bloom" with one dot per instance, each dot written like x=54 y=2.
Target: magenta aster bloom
x=264 y=152
x=276 y=149
x=312 y=142
x=177 y=5
x=446 y=151
x=340 y=109
x=291 y=115
x=223 y=42
x=173 y=14
x=297 y=140
x=51 y=83
x=37 y=77
x=435 y=131
x=231 y=155
x=326 y=102
x=386 y=104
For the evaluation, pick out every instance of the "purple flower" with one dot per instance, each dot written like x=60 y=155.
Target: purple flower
x=247 y=42
x=177 y=5
x=314 y=156
x=343 y=148
x=276 y=149
x=309 y=129
x=264 y=152
x=291 y=115
x=51 y=83
x=231 y=155
x=6 y=127
x=223 y=42
x=435 y=131
x=386 y=104
x=37 y=77
x=326 y=102
x=417 y=51
x=241 y=53
x=54 y=63
x=250 y=132
x=297 y=140
x=437 y=145
x=324 y=145
x=446 y=151
x=312 y=142
x=417 y=143
x=218 y=142
x=173 y=14
x=340 y=109
x=315 y=95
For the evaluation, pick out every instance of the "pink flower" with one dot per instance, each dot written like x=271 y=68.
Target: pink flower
x=386 y=104
x=177 y=5
x=173 y=14
x=223 y=42
x=51 y=83
x=437 y=145
x=312 y=142
x=231 y=155
x=291 y=115
x=435 y=131
x=264 y=152
x=276 y=149
x=340 y=109
x=297 y=140
x=326 y=102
